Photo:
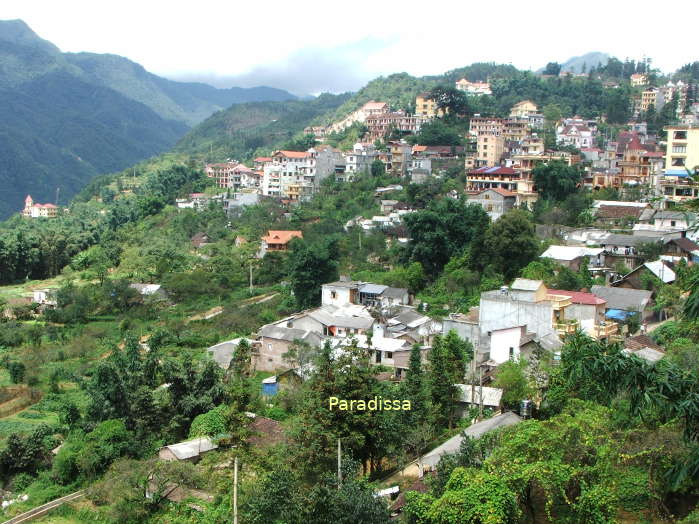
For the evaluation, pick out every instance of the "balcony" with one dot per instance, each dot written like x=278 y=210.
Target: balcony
x=566 y=327
x=559 y=302
x=605 y=330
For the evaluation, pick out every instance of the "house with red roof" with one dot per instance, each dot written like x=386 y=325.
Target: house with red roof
x=35 y=210
x=277 y=241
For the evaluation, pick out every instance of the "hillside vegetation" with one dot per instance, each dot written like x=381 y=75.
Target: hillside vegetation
x=68 y=117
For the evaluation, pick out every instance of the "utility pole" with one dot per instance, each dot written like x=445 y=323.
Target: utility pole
x=251 y=277
x=235 y=491
x=480 y=394
x=339 y=464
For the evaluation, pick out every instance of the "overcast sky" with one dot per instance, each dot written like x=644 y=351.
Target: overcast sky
x=313 y=46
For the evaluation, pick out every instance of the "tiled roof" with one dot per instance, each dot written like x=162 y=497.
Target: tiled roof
x=685 y=244
x=579 y=297
x=281 y=237
x=493 y=170
x=293 y=154
x=641 y=341
x=619 y=212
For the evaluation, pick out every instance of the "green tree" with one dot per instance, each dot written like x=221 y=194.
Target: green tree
x=512 y=379
x=510 y=244
x=311 y=266
x=378 y=168
x=443 y=230
x=556 y=180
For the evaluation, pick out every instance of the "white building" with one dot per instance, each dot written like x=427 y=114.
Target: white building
x=296 y=175
x=575 y=132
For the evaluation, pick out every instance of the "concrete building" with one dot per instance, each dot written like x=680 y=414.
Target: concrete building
x=473 y=88
x=274 y=340
x=572 y=256
x=496 y=202
x=426 y=106
x=35 y=210
x=489 y=149
x=523 y=109
x=296 y=175
x=508 y=316
x=682 y=148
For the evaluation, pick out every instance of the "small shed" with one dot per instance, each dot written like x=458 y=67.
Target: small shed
x=270 y=386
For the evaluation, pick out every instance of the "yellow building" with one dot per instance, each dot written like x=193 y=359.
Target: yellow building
x=489 y=149
x=426 y=106
x=682 y=151
x=523 y=109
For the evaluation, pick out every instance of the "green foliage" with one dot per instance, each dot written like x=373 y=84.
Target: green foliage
x=556 y=179
x=311 y=266
x=509 y=245
x=512 y=379
x=445 y=229
x=211 y=423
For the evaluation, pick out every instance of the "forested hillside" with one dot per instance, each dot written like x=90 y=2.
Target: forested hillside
x=68 y=117
x=246 y=129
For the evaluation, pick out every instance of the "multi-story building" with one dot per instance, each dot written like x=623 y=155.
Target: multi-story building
x=489 y=149
x=682 y=151
x=297 y=174
x=639 y=79
x=523 y=109
x=400 y=157
x=380 y=125
x=491 y=125
x=496 y=202
x=494 y=177
x=371 y=108
x=427 y=106
x=473 y=88
x=358 y=160
x=232 y=175
x=35 y=210
x=575 y=132
x=652 y=97
x=638 y=164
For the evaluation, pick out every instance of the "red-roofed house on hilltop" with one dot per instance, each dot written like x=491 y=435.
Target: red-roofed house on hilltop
x=35 y=210
x=277 y=241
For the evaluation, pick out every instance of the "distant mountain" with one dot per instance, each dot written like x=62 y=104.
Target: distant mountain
x=69 y=116
x=586 y=61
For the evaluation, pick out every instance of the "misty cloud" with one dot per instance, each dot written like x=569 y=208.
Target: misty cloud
x=306 y=71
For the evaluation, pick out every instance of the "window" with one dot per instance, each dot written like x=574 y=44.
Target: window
x=389 y=354
x=512 y=353
x=487 y=197
x=672 y=223
x=333 y=294
x=680 y=135
x=678 y=161
x=679 y=149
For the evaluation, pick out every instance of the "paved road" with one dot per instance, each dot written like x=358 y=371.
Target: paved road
x=42 y=510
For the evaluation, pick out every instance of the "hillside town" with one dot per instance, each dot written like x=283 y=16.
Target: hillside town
x=448 y=303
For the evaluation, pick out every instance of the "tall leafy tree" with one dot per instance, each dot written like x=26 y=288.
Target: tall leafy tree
x=556 y=180
x=443 y=230
x=311 y=266
x=509 y=245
